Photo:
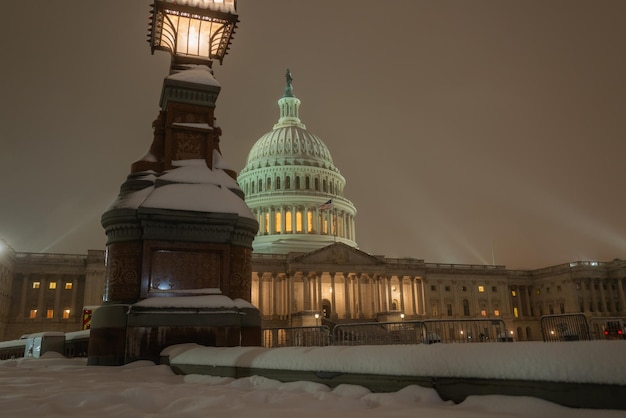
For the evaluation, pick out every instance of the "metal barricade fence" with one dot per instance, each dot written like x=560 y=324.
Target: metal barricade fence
x=378 y=333
x=313 y=336
x=564 y=327
x=465 y=331
x=608 y=328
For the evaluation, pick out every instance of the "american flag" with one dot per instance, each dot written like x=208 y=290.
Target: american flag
x=326 y=205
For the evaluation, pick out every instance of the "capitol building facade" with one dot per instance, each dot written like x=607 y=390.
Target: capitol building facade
x=307 y=268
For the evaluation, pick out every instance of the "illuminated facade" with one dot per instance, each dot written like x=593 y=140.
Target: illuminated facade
x=306 y=262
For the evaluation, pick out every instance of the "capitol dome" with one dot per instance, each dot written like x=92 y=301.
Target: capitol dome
x=294 y=189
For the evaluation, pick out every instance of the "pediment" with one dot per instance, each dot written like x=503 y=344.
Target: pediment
x=337 y=253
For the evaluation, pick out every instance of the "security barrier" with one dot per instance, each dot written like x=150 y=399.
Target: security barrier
x=565 y=327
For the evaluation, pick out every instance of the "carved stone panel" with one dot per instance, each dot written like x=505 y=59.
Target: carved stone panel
x=189 y=145
x=179 y=270
x=171 y=267
x=124 y=261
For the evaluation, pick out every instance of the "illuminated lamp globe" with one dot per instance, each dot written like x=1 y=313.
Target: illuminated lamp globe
x=193 y=31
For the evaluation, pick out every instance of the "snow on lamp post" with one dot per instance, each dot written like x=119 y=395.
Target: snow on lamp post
x=193 y=31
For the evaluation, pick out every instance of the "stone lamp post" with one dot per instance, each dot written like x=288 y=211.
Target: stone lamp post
x=179 y=232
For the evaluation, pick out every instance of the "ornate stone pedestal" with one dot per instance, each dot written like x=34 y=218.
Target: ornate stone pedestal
x=179 y=234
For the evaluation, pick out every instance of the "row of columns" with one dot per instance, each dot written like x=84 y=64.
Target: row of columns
x=362 y=295
x=338 y=223
x=596 y=300
x=589 y=300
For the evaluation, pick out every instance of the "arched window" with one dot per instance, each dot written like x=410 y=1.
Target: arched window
x=268 y=186
x=277 y=183
x=288 y=222
x=260 y=185
x=331 y=187
x=252 y=186
x=287 y=183
x=297 y=182
x=317 y=184
x=324 y=189
x=307 y=182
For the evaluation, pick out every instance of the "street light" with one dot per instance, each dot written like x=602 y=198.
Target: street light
x=193 y=31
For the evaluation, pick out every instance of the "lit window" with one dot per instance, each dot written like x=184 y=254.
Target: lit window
x=33 y=314
x=278 y=224
x=66 y=313
x=481 y=288
x=483 y=313
x=299 y=221
x=52 y=285
x=36 y=285
x=513 y=293
x=496 y=312
x=68 y=286
x=515 y=312
x=50 y=313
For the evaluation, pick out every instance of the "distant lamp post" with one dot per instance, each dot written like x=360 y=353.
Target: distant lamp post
x=317 y=318
x=402 y=316
x=193 y=31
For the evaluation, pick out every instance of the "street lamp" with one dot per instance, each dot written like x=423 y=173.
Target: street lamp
x=193 y=31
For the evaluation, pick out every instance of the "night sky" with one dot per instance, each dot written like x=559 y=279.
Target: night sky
x=468 y=131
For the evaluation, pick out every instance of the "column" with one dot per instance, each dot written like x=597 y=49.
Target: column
x=283 y=223
x=42 y=289
x=25 y=283
x=603 y=306
x=620 y=293
x=294 y=212
x=413 y=295
x=261 y=294
x=305 y=220
x=585 y=294
x=57 y=299
x=73 y=313
x=594 y=300
x=401 y=284
x=318 y=277
x=527 y=301
x=359 y=295
x=346 y=287
x=273 y=300
x=334 y=313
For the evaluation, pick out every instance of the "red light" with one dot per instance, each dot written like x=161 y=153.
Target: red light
x=619 y=332
x=606 y=332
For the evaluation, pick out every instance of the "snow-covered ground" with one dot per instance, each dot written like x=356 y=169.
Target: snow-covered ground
x=53 y=386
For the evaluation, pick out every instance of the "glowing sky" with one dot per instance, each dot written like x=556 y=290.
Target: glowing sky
x=468 y=131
